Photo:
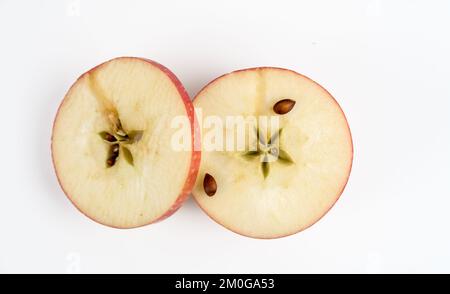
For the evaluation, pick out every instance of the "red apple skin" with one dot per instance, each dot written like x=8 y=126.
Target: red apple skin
x=195 y=133
x=349 y=168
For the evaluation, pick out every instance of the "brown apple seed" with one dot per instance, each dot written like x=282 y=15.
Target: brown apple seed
x=283 y=106
x=113 y=153
x=107 y=137
x=209 y=185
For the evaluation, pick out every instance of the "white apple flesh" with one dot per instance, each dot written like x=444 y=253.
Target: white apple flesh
x=144 y=96
x=293 y=196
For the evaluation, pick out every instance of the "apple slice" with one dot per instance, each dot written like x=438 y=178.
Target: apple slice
x=305 y=174
x=111 y=143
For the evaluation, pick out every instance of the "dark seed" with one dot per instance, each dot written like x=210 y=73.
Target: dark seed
x=107 y=137
x=111 y=161
x=110 y=138
x=209 y=185
x=113 y=153
x=283 y=106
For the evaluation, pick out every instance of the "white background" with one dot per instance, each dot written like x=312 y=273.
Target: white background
x=386 y=62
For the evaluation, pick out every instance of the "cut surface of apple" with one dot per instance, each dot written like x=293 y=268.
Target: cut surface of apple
x=111 y=143
x=270 y=199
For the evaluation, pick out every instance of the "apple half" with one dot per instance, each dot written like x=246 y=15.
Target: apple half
x=111 y=143
x=313 y=157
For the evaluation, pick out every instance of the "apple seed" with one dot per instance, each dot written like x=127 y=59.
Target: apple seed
x=107 y=137
x=113 y=153
x=209 y=185
x=283 y=106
